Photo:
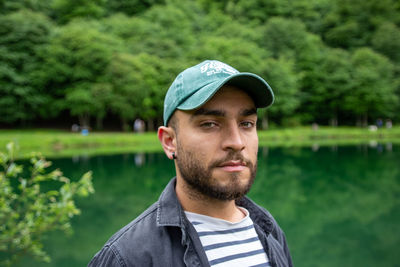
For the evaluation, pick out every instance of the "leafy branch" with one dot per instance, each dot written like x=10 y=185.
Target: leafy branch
x=35 y=204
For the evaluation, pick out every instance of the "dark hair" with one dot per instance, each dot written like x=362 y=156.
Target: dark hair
x=173 y=123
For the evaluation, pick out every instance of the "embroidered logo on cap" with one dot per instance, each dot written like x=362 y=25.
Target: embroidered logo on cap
x=214 y=67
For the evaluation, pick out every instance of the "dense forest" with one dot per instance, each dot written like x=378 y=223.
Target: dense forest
x=104 y=63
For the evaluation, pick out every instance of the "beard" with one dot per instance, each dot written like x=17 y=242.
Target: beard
x=199 y=177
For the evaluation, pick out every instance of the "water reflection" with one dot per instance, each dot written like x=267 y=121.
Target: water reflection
x=315 y=147
x=335 y=203
x=139 y=159
x=373 y=143
x=80 y=158
x=389 y=147
x=339 y=206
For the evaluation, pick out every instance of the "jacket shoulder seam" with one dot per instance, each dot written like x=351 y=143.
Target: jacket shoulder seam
x=145 y=214
x=120 y=260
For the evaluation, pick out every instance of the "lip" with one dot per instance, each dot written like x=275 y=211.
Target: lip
x=233 y=166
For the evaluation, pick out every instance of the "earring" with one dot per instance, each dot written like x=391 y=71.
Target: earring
x=173 y=155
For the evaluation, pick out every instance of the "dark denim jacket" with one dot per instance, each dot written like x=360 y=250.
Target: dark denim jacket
x=163 y=236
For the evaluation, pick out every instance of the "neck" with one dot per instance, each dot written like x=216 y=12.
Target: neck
x=197 y=203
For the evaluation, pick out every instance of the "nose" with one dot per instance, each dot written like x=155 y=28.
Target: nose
x=233 y=139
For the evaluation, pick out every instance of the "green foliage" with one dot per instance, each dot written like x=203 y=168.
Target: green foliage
x=284 y=37
x=88 y=99
x=75 y=60
x=9 y=6
x=352 y=23
x=280 y=75
x=236 y=52
x=131 y=7
x=172 y=30
x=33 y=204
x=386 y=40
x=289 y=39
x=22 y=34
x=219 y=24
x=129 y=76
x=66 y=10
x=374 y=90
x=106 y=58
x=78 y=52
x=337 y=83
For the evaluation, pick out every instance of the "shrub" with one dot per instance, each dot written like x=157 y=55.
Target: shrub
x=32 y=203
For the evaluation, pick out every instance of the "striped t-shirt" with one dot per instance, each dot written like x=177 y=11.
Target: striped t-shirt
x=229 y=244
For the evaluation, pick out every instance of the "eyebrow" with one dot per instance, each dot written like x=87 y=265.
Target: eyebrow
x=221 y=113
x=209 y=112
x=248 y=112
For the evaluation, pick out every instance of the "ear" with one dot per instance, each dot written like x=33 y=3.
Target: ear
x=167 y=137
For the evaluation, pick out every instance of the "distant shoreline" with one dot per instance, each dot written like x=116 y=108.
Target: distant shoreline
x=56 y=143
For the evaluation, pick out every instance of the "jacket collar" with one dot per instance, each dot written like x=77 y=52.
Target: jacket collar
x=170 y=212
x=259 y=215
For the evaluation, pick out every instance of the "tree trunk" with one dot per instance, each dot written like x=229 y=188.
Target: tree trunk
x=365 y=120
x=124 y=125
x=334 y=120
x=84 y=120
x=99 y=123
x=264 y=123
x=160 y=122
x=358 y=122
x=150 y=125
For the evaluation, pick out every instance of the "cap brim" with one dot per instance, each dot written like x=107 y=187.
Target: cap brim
x=257 y=88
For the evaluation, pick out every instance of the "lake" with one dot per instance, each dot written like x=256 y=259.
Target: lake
x=339 y=206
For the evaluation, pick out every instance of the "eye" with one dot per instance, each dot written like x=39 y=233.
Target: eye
x=208 y=124
x=247 y=124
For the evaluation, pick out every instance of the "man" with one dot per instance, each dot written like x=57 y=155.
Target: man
x=203 y=217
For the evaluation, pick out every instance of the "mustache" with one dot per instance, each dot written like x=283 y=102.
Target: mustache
x=232 y=156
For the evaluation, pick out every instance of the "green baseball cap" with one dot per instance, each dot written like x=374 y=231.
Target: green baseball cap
x=196 y=85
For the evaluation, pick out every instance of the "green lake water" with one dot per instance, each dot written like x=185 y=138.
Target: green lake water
x=339 y=206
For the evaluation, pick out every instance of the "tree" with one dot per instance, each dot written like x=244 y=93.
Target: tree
x=139 y=84
x=128 y=91
x=75 y=61
x=21 y=35
x=33 y=205
x=386 y=40
x=10 y=6
x=164 y=31
x=48 y=70
x=165 y=71
x=374 y=92
x=101 y=97
x=337 y=83
x=243 y=55
x=258 y=12
x=281 y=76
x=219 y=24
x=351 y=24
x=89 y=100
x=65 y=10
x=170 y=30
x=131 y=7
x=288 y=38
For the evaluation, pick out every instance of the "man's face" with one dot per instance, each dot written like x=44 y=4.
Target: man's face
x=217 y=145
